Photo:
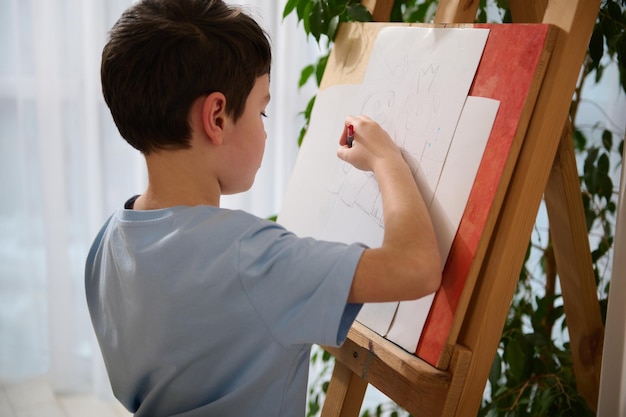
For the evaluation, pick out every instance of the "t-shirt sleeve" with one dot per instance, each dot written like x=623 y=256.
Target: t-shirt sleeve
x=299 y=286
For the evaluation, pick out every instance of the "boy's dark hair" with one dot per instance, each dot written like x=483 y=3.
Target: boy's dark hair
x=164 y=54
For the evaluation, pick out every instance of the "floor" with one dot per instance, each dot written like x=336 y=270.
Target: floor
x=35 y=398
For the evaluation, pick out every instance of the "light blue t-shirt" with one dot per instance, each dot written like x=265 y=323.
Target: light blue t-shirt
x=202 y=311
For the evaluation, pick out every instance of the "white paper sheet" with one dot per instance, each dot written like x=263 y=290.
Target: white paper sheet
x=448 y=205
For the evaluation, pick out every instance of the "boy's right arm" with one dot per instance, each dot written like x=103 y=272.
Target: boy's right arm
x=408 y=263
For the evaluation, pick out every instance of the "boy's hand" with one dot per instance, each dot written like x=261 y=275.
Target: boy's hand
x=372 y=145
x=407 y=265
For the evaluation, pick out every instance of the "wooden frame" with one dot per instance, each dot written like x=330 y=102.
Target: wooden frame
x=545 y=163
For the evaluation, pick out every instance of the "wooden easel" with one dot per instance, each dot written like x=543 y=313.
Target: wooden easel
x=545 y=163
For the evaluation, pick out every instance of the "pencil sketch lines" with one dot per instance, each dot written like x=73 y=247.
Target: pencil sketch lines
x=359 y=190
x=426 y=77
x=411 y=114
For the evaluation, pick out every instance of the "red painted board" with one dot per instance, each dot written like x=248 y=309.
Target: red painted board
x=507 y=71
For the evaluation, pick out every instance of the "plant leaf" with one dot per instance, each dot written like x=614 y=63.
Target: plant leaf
x=306 y=74
x=359 y=13
x=289 y=7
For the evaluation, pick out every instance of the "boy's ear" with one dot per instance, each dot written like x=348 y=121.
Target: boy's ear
x=214 y=116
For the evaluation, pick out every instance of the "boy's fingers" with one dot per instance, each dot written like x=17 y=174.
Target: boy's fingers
x=341 y=153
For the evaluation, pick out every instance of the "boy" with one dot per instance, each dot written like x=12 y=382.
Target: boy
x=202 y=311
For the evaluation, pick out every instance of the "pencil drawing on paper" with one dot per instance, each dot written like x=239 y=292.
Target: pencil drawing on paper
x=416 y=87
x=410 y=117
x=358 y=189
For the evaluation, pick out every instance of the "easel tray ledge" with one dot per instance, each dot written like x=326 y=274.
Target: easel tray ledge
x=383 y=364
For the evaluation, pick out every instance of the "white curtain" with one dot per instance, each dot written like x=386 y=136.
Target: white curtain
x=64 y=168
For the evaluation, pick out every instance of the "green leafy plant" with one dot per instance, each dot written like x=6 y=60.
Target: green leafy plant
x=320 y=19
x=532 y=373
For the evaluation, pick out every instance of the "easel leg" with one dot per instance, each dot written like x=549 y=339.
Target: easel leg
x=573 y=260
x=345 y=393
x=456 y=11
x=571 y=248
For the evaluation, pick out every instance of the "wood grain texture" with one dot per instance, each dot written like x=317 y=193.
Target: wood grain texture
x=570 y=240
x=456 y=11
x=488 y=308
x=345 y=393
x=413 y=384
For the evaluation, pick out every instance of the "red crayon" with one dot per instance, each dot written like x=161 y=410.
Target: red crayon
x=350 y=138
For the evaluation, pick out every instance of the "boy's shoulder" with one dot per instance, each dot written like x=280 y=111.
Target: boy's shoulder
x=184 y=222
x=178 y=232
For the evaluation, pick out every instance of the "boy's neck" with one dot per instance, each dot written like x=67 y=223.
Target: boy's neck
x=177 y=178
